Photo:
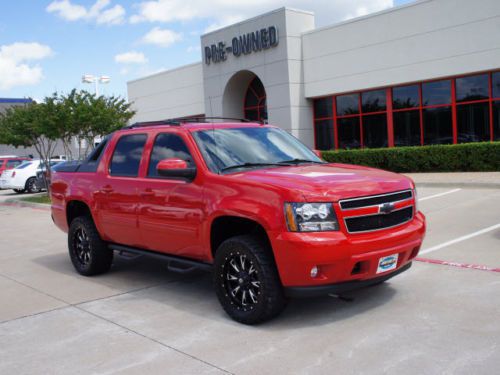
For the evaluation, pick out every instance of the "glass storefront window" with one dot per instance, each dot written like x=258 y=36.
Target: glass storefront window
x=473 y=122
x=407 y=128
x=436 y=93
x=373 y=101
x=324 y=134
x=375 y=131
x=472 y=88
x=496 y=84
x=405 y=97
x=438 y=128
x=347 y=104
x=349 y=133
x=323 y=108
x=496 y=121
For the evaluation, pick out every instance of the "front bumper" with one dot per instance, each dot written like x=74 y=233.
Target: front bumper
x=339 y=288
x=341 y=257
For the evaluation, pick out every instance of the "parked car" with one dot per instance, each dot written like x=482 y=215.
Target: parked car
x=248 y=202
x=23 y=177
x=10 y=161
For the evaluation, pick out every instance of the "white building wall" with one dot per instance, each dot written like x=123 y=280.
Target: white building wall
x=174 y=93
x=420 y=41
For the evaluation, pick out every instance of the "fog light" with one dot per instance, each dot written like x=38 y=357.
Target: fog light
x=314 y=271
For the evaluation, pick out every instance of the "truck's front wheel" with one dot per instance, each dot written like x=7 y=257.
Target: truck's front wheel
x=89 y=254
x=246 y=280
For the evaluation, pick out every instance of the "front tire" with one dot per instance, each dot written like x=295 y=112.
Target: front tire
x=31 y=186
x=89 y=254
x=246 y=280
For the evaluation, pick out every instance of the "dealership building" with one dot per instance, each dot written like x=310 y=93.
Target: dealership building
x=423 y=73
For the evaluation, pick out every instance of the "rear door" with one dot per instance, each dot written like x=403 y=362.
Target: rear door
x=170 y=210
x=117 y=195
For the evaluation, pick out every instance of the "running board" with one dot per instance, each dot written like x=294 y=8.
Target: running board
x=178 y=263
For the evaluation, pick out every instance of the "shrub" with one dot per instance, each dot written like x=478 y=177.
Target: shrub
x=483 y=156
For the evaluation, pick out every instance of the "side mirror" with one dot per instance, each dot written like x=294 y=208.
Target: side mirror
x=175 y=168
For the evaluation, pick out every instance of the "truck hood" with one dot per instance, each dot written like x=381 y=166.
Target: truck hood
x=331 y=182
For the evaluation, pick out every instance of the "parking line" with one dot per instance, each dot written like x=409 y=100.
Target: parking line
x=460 y=265
x=439 y=195
x=460 y=239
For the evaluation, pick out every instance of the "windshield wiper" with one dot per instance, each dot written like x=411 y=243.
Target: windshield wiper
x=299 y=161
x=249 y=165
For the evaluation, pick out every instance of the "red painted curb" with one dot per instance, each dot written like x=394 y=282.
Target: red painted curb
x=460 y=265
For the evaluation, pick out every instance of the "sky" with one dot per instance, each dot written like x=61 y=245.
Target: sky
x=46 y=46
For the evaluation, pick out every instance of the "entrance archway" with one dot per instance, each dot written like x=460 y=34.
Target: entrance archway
x=245 y=97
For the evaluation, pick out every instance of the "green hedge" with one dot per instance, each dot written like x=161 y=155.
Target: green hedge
x=484 y=156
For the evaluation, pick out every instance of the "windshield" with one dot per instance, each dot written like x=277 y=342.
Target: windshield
x=227 y=150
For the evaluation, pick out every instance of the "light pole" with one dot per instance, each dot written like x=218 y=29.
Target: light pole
x=89 y=78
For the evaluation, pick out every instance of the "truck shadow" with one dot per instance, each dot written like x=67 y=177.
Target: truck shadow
x=193 y=294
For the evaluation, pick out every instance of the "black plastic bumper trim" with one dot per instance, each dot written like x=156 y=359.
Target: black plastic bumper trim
x=321 y=290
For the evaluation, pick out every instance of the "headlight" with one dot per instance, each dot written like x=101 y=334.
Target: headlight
x=310 y=217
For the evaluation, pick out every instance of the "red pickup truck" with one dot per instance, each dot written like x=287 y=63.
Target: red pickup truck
x=248 y=202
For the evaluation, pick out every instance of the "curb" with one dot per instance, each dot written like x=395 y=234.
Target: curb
x=19 y=203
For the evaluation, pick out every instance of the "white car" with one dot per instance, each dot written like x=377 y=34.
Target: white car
x=23 y=177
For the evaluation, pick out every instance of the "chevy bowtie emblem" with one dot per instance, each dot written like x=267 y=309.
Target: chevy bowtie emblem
x=386 y=208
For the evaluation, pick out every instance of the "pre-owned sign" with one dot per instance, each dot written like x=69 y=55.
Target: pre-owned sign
x=244 y=44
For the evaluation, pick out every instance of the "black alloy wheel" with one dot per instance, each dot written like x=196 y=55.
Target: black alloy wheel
x=82 y=247
x=32 y=186
x=246 y=280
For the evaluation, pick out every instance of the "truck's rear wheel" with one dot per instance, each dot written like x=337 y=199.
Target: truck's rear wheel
x=89 y=254
x=246 y=280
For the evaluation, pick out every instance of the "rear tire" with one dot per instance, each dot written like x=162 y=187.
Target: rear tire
x=246 y=280
x=89 y=254
x=31 y=186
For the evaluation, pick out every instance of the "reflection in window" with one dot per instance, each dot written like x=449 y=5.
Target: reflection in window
x=473 y=123
x=168 y=145
x=324 y=134
x=347 y=104
x=406 y=128
x=405 y=97
x=375 y=131
x=349 y=133
x=323 y=108
x=127 y=155
x=496 y=121
x=496 y=84
x=472 y=88
x=437 y=92
x=373 y=101
x=438 y=127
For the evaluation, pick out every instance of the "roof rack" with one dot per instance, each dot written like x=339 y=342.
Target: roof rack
x=180 y=120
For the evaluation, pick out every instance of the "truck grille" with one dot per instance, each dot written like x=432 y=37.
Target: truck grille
x=374 y=218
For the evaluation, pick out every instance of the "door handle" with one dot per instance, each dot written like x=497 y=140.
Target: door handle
x=107 y=189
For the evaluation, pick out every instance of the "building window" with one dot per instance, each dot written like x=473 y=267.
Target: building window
x=456 y=110
x=323 y=124
x=255 y=106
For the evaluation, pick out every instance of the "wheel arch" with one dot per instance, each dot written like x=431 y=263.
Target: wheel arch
x=76 y=208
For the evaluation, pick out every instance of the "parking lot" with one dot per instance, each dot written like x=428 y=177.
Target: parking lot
x=442 y=316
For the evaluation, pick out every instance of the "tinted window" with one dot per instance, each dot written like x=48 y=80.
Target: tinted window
x=373 y=101
x=435 y=93
x=24 y=165
x=472 y=88
x=127 y=155
x=375 y=131
x=323 y=107
x=168 y=146
x=405 y=97
x=406 y=128
x=12 y=163
x=96 y=154
x=347 y=104
x=473 y=122
x=349 y=133
x=437 y=126
x=496 y=121
x=496 y=84
x=324 y=134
